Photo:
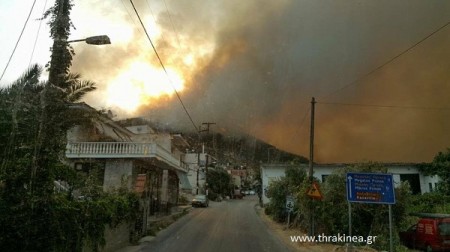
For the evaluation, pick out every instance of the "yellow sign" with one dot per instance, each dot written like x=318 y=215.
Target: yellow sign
x=314 y=191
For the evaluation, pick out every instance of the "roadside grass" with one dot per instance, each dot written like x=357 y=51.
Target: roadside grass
x=284 y=233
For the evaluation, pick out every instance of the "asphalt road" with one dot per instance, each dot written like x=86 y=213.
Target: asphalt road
x=232 y=225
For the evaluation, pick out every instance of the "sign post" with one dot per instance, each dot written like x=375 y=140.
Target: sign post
x=289 y=207
x=375 y=188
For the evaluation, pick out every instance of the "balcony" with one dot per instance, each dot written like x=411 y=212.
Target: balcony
x=111 y=150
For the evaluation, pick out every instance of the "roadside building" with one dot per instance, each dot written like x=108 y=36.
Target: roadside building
x=131 y=153
x=410 y=172
x=197 y=173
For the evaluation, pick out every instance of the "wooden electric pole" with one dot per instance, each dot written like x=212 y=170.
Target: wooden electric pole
x=311 y=167
x=208 y=124
x=311 y=142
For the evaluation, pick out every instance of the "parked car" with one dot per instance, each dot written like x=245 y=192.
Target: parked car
x=431 y=233
x=238 y=194
x=200 y=200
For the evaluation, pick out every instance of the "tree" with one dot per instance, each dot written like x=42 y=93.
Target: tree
x=290 y=184
x=34 y=119
x=33 y=216
x=219 y=181
x=331 y=213
x=440 y=167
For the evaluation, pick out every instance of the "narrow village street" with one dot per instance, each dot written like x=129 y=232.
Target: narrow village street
x=231 y=225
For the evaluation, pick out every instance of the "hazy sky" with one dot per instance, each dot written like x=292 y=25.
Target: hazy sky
x=253 y=66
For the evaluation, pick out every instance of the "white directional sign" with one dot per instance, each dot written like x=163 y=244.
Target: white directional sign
x=289 y=203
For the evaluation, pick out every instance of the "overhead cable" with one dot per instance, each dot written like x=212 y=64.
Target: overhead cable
x=164 y=68
x=18 y=40
x=385 y=106
x=389 y=61
x=37 y=34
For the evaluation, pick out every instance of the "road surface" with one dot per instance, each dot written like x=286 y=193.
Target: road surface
x=232 y=225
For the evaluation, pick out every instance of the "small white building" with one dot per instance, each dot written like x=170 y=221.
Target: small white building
x=196 y=171
x=419 y=182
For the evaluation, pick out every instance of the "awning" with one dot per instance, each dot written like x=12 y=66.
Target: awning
x=184 y=181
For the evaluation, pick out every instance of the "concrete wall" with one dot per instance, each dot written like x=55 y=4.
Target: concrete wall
x=269 y=173
x=115 y=171
x=163 y=139
x=191 y=160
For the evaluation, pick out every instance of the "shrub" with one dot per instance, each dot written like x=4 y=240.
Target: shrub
x=331 y=214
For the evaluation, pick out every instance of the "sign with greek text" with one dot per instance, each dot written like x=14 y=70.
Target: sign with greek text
x=375 y=188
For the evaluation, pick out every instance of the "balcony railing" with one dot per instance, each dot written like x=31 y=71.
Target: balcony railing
x=122 y=150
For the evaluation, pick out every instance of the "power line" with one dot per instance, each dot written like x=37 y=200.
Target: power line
x=37 y=34
x=154 y=18
x=18 y=40
x=303 y=119
x=164 y=68
x=389 y=61
x=129 y=14
x=385 y=106
x=171 y=22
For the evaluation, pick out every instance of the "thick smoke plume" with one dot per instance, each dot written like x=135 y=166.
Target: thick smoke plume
x=257 y=65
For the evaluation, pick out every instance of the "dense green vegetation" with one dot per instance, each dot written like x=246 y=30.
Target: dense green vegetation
x=35 y=214
x=331 y=213
x=220 y=183
x=38 y=209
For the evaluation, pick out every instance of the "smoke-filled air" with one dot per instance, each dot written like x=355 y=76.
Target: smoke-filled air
x=252 y=67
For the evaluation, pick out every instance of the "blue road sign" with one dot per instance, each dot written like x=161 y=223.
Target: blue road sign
x=370 y=188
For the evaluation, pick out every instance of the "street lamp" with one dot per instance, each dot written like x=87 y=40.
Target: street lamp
x=94 y=40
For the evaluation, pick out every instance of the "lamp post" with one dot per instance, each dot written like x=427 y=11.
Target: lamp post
x=61 y=58
x=59 y=65
x=94 y=40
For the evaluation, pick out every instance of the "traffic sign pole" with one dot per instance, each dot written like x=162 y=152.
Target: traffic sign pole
x=350 y=246
x=391 y=247
x=375 y=188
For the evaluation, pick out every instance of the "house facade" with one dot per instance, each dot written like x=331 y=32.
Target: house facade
x=131 y=154
x=196 y=174
x=419 y=182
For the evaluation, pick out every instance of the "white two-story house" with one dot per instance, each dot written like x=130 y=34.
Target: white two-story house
x=130 y=153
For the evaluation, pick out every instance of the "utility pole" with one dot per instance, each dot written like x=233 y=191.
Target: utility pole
x=311 y=142
x=60 y=63
x=311 y=166
x=208 y=124
x=198 y=170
